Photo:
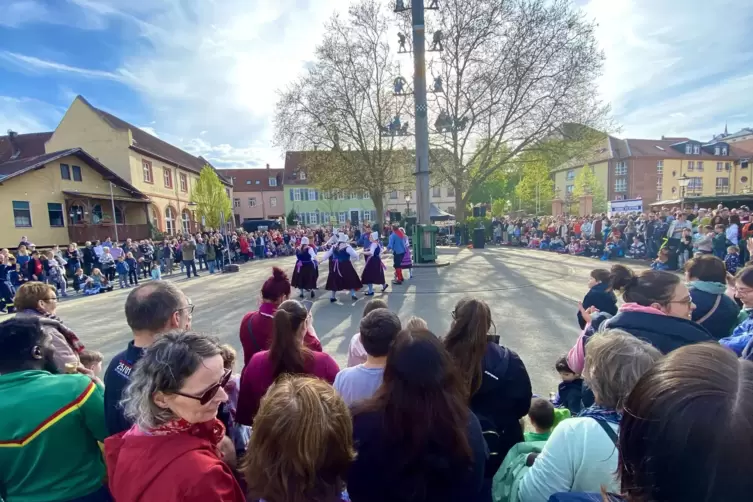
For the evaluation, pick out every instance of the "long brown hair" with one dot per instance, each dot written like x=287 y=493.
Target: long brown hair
x=302 y=445
x=466 y=341
x=424 y=415
x=287 y=354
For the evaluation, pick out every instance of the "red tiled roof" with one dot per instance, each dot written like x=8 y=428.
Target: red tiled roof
x=151 y=145
x=30 y=145
x=253 y=180
x=19 y=167
x=294 y=163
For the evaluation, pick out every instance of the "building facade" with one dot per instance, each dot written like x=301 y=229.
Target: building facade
x=318 y=207
x=66 y=196
x=257 y=193
x=600 y=159
x=404 y=201
x=164 y=173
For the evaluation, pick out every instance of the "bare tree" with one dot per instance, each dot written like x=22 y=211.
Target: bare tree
x=513 y=73
x=336 y=109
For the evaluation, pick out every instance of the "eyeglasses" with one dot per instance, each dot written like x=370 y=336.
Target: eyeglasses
x=209 y=394
x=687 y=301
x=53 y=299
x=743 y=291
x=188 y=307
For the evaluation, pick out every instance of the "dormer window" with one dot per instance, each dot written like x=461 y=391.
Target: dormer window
x=724 y=150
x=717 y=150
x=696 y=149
x=688 y=149
x=302 y=175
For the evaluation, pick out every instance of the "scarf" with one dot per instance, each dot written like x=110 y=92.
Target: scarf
x=213 y=430
x=73 y=341
x=596 y=411
x=715 y=288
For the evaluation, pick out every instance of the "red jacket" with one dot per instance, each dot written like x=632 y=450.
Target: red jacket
x=179 y=467
x=244 y=245
x=262 y=325
x=257 y=377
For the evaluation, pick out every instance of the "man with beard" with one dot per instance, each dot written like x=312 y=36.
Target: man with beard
x=51 y=422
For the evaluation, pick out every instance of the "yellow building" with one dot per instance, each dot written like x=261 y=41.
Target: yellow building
x=598 y=159
x=65 y=196
x=165 y=173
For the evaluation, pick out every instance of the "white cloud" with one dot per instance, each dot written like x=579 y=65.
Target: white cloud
x=676 y=67
x=21 y=12
x=33 y=64
x=25 y=115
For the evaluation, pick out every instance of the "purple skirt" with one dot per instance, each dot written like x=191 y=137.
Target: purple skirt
x=304 y=277
x=343 y=277
x=407 y=259
x=373 y=272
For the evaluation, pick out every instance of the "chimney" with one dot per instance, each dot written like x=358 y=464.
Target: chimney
x=15 y=150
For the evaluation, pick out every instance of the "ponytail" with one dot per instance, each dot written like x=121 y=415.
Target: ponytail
x=621 y=278
x=286 y=353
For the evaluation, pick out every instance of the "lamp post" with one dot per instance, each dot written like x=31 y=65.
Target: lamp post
x=683 y=181
x=407 y=204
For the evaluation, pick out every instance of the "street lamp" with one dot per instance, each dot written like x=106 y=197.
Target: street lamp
x=684 y=181
x=407 y=203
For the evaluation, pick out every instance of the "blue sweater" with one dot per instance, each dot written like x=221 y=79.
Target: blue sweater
x=740 y=337
x=396 y=244
x=121 y=267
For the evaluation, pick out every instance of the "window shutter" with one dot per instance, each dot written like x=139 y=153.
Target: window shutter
x=291 y=194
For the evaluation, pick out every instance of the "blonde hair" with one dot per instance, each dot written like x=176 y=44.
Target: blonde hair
x=416 y=322
x=229 y=356
x=30 y=293
x=307 y=428
x=615 y=361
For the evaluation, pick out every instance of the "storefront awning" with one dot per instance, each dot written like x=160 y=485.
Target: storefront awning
x=99 y=196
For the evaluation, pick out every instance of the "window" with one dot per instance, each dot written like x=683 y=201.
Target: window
x=699 y=166
x=341 y=217
x=688 y=149
x=227 y=192
x=22 y=213
x=314 y=218
x=146 y=166
x=119 y=216
x=76 y=173
x=348 y=195
x=450 y=191
x=302 y=175
x=696 y=149
x=570 y=175
x=312 y=194
x=167 y=175
x=236 y=203
x=695 y=184
x=248 y=182
x=252 y=202
x=722 y=185
x=296 y=193
x=272 y=181
x=393 y=194
x=717 y=150
x=340 y=195
x=55 y=212
x=660 y=167
x=169 y=221
x=620 y=185
x=727 y=166
x=65 y=171
x=76 y=214
x=659 y=184
x=436 y=192
x=724 y=150
x=273 y=201
x=691 y=165
x=183 y=183
x=97 y=214
x=569 y=189
x=186 y=217
x=719 y=167
x=620 y=169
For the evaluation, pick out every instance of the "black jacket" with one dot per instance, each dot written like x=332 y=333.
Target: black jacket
x=503 y=398
x=571 y=395
x=88 y=255
x=116 y=377
x=723 y=320
x=664 y=332
x=599 y=297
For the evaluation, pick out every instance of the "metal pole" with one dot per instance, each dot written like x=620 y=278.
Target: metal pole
x=422 y=124
x=114 y=219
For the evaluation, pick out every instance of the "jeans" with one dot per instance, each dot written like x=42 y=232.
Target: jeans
x=219 y=262
x=133 y=277
x=190 y=264
x=210 y=265
x=167 y=265
x=202 y=259
x=110 y=274
x=123 y=280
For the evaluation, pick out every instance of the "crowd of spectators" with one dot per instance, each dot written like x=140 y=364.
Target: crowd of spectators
x=652 y=405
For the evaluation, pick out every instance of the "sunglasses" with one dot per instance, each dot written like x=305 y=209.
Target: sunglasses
x=209 y=394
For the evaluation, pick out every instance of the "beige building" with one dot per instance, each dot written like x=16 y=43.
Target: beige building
x=441 y=196
x=257 y=193
x=64 y=196
x=164 y=173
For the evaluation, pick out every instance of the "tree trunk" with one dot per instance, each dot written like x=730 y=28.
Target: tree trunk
x=379 y=208
x=459 y=206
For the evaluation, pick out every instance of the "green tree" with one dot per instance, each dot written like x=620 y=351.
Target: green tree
x=536 y=188
x=586 y=183
x=211 y=198
x=292 y=217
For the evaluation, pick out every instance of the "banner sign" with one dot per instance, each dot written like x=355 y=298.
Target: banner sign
x=626 y=206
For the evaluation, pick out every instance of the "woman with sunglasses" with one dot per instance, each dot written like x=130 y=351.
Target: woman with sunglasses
x=173 y=398
x=288 y=354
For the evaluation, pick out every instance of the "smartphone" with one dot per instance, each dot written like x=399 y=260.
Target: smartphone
x=307 y=304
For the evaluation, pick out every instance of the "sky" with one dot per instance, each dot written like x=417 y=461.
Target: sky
x=205 y=74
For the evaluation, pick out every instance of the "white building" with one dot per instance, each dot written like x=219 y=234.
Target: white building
x=442 y=196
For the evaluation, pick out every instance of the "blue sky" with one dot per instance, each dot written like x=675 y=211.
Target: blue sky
x=203 y=74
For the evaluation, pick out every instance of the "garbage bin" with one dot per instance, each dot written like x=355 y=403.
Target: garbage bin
x=479 y=238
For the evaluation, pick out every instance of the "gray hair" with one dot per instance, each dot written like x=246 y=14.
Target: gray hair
x=615 y=361
x=165 y=366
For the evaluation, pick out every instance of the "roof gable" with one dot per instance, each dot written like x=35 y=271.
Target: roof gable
x=250 y=180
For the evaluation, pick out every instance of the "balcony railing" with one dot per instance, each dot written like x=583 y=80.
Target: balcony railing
x=693 y=190
x=722 y=190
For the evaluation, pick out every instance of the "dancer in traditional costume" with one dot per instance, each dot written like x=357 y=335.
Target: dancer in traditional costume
x=306 y=269
x=342 y=276
x=373 y=272
x=407 y=263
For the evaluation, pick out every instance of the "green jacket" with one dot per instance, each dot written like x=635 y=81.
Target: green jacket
x=49 y=434
x=506 y=481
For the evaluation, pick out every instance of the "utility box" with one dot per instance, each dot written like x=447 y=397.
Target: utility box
x=425 y=244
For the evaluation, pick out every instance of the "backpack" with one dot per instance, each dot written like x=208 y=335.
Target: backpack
x=490 y=429
x=507 y=480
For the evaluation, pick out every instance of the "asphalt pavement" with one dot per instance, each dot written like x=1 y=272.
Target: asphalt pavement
x=532 y=294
